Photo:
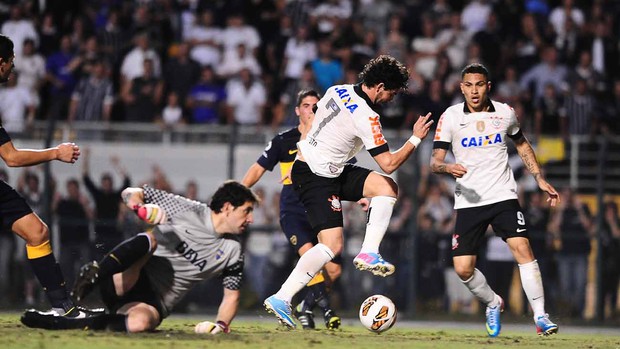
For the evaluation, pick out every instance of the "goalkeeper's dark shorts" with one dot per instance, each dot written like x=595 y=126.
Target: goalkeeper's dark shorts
x=141 y=292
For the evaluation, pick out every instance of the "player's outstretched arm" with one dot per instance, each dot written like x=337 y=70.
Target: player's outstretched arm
x=225 y=314
x=438 y=164
x=13 y=157
x=391 y=161
x=150 y=213
x=253 y=175
x=526 y=152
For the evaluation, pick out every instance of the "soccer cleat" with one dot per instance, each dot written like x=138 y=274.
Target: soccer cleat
x=86 y=281
x=57 y=319
x=544 y=326
x=494 y=324
x=374 y=263
x=305 y=317
x=281 y=309
x=332 y=321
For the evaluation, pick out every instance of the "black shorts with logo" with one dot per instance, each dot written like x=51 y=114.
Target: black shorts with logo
x=12 y=206
x=141 y=292
x=506 y=218
x=322 y=197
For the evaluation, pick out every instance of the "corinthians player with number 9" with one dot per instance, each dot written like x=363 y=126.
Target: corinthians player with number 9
x=345 y=121
x=486 y=192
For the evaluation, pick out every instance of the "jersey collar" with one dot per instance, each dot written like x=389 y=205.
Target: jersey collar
x=358 y=89
x=489 y=103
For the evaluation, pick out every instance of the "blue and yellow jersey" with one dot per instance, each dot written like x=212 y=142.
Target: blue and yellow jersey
x=282 y=149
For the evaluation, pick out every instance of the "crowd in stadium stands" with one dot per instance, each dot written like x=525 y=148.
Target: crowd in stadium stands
x=556 y=62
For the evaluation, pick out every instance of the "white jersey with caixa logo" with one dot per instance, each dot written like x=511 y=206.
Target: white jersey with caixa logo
x=478 y=141
x=344 y=122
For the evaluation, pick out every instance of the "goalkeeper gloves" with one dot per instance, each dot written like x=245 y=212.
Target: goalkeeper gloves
x=212 y=328
x=151 y=213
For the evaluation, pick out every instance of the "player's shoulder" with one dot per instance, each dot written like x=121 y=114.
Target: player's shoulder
x=502 y=107
x=454 y=111
x=290 y=133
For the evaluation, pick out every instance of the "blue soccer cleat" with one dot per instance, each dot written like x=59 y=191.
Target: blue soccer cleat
x=374 y=263
x=544 y=326
x=281 y=309
x=494 y=324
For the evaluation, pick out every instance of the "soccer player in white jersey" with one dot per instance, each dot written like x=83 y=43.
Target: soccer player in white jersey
x=144 y=277
x=345 y=121
x=486 y=192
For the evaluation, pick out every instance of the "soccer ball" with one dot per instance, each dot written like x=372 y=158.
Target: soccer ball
x=378 y=313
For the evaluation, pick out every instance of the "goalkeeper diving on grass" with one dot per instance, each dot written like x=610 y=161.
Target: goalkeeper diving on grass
x=144 y=277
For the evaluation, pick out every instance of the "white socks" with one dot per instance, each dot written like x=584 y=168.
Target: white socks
x=478 y=285
x=308 y=265
x=379 y=214
x=531 y=281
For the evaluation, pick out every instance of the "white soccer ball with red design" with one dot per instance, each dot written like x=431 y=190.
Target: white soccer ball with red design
x=378 y=313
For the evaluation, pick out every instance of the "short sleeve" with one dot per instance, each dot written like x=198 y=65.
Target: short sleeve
x=513 y=123
x=269 y=158
x=370 y=130
x=233 y=275
x=443 y=132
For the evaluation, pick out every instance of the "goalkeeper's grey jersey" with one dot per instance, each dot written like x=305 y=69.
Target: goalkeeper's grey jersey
x=188 y=249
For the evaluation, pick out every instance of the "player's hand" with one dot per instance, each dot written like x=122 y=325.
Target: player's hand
x=68 y=152
x=554 y=197
x=151 y=213
x=212 y=328
x=422 y=126
x=456 y=170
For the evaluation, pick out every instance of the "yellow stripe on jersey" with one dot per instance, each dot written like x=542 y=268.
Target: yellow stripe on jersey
x=285 y=170
x=39 y=251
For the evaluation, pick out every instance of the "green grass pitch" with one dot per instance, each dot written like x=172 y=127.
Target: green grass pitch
x=249 y=333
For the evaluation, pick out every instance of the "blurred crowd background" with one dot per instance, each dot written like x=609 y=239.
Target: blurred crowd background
x=228 y=65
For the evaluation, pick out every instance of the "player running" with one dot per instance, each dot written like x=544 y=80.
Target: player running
x=143 y=278
x=17 y=216
x=344 y=122
x=486 y=192
x=293 y=219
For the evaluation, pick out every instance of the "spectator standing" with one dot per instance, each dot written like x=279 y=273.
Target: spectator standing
x=245 y=98
x=17 y=109
x=572 y=226
x=143 y=95
x=547 y=71
x=93 y=96
x=235 y=60
x=30 y=68
x=19 y=28
x=327 y=70
x=610 y=248
x=577 y=115
x=205 y=40
x=181 y=72
x=61 y=68
x=206 y=99
x=107 y=202
x=73 y=213
x=133 y=63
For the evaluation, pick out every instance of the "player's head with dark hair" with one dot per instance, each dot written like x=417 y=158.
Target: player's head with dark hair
x=6 y=58
x=387 y=70
x=234 y=193
x=475 y=68
x=305 y=93
x=6 y=48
